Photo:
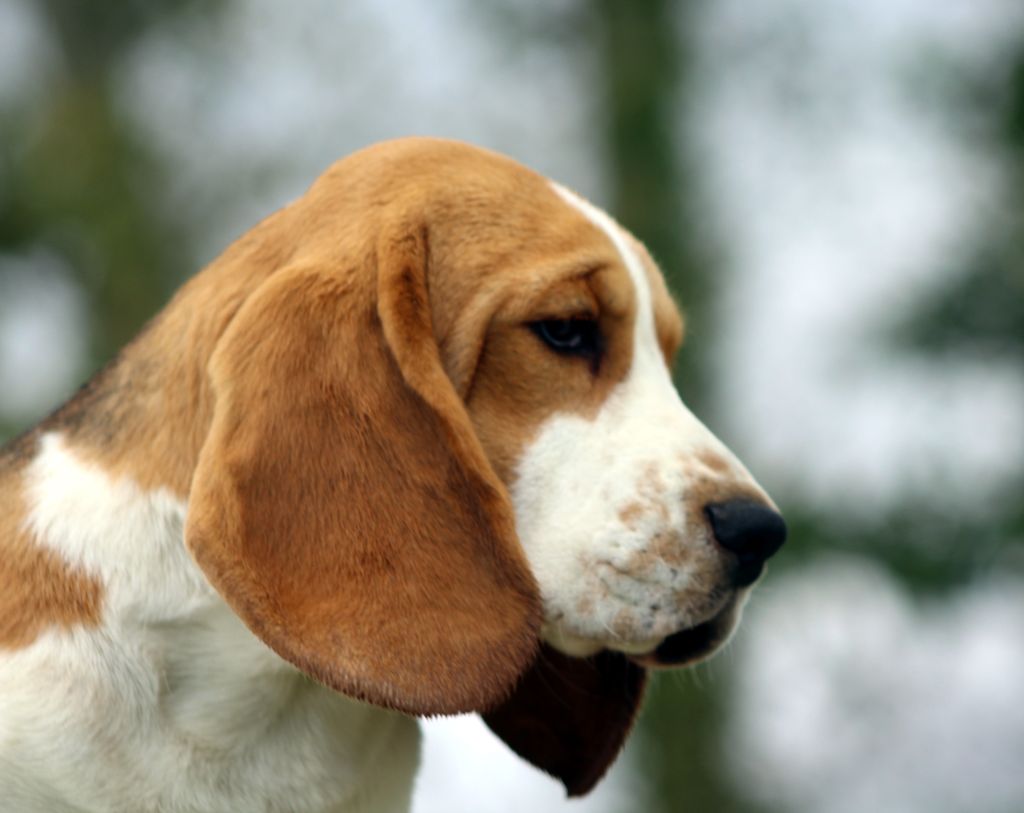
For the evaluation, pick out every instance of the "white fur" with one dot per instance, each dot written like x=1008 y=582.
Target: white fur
x=607 y=582
x=171 y=704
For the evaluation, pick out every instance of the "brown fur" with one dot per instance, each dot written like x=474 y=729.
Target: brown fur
x=717 y=463
x=569 y=716
x=37 y=589
x=343 y=396
x=631 y=513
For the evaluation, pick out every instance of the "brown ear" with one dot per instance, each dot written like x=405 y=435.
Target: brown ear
x=570 y=716
x=342 y=504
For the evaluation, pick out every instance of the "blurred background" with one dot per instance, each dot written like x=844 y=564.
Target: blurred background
x=835 y=190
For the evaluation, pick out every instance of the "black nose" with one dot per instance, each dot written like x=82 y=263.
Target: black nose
x=749 y=529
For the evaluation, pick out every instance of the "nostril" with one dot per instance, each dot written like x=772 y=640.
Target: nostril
x=749 y=529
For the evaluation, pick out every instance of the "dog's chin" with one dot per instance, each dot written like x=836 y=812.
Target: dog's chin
x=683 y=648
x=691 y=645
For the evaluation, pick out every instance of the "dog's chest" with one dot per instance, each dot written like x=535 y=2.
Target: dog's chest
x=167 y=724
x=171 y=704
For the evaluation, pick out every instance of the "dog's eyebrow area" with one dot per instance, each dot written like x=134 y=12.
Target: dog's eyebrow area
x=561 y=294
x=658 y=316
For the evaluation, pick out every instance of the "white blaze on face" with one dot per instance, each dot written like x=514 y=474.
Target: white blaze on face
x=622 y=556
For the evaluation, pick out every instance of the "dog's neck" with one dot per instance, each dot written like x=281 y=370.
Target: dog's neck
x=146 y=414
x=187 y=700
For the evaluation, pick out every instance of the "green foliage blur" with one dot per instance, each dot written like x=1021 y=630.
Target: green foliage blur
x=76 y=179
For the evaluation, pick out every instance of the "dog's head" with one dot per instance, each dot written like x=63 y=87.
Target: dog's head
x=447 y=469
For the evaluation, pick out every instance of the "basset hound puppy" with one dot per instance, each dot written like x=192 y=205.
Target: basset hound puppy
x=408 y=447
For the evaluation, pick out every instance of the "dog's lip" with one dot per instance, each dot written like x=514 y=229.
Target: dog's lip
x=689 y=645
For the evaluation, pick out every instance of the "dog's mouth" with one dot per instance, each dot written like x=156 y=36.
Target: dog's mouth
x=681 y=648
x=691 y=645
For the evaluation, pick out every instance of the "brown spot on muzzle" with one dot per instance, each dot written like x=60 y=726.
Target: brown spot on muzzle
x=630 y=514
x=668 y=548
x=715 y=462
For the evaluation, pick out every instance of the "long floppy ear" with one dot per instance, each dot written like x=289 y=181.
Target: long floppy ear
x=342 y=504
x=571 y=716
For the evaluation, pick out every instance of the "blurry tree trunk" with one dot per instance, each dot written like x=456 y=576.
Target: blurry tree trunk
x=642 y=56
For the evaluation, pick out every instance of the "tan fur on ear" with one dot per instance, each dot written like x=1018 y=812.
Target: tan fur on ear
x=342 y=504
x=571 y=716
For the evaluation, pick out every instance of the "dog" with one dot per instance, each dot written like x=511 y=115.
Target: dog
x=409 y=447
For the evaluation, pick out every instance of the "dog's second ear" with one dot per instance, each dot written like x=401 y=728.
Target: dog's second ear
x=342 y=504
x=570 y=716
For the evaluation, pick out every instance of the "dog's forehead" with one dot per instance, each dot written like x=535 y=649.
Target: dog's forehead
x=496 y=230
x=471 y=197
x=645 y=278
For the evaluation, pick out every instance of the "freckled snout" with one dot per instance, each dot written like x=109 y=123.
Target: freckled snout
x=751 y=531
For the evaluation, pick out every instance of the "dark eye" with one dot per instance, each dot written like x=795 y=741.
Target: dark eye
x=570 y=337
